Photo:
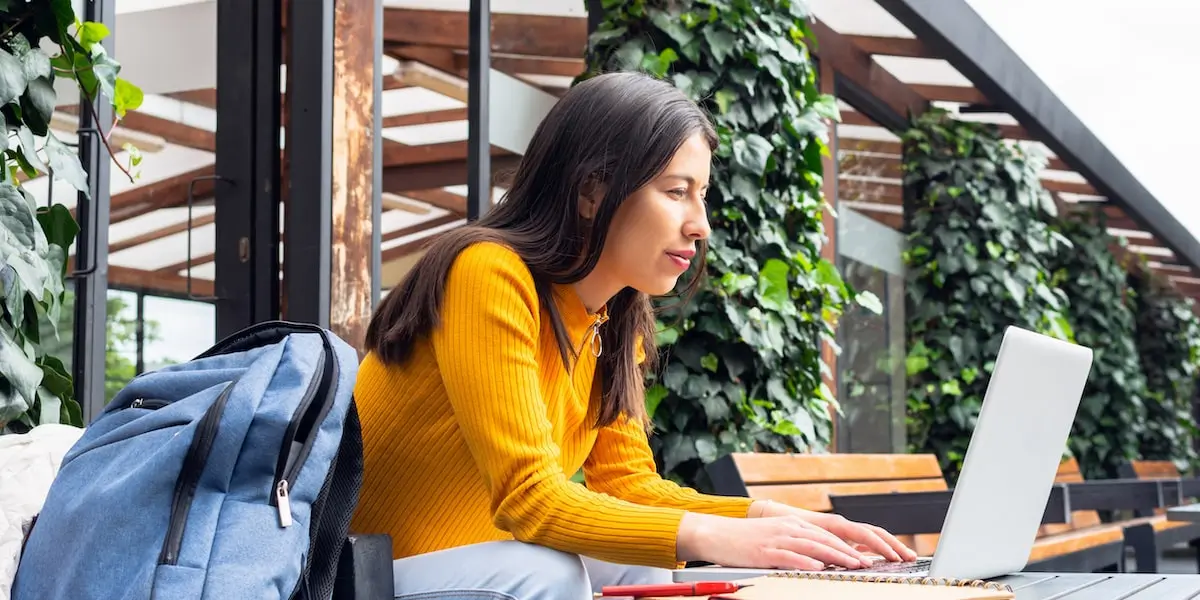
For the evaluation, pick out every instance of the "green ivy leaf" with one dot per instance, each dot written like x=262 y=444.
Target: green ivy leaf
x=751 y=153
x=666 y=337
x=17 y=220
x=826 y=106
x=654 y=396
x=20 y=373
x=773 y=284
x=771 y=63
x=59 y=225
x=105 y=70
x=126 y=97
x=65 y=163
x=720 y=44
x=12 y=77
x=1016 y=290
x=629 y=56
x=789 y=53
x=37 y=105
x=672 y=27
x=724 y=97
x=709 y=362
x=605 y=35
x=35 y=63
x=914 y=365
x=869 y=301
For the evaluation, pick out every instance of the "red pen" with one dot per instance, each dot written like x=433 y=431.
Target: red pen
x=700 y=588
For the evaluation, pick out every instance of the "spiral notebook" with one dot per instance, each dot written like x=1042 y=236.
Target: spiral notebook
x=850 y=586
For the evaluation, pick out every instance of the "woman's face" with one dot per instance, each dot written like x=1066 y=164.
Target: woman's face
x=654 y=234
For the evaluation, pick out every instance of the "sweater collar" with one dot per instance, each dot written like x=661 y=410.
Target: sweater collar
x=574 y=312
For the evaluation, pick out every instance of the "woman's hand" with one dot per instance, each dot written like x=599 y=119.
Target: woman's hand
x=774 y=542
x=874 y=539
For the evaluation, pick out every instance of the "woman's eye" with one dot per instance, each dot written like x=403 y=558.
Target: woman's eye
x=678 y=192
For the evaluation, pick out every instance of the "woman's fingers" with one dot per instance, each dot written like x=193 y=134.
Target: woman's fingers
x=822 y=535
x=870 y=535
x=810 y=543
x=905 y=552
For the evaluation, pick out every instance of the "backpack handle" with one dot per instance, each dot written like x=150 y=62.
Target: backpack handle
x=262 y=334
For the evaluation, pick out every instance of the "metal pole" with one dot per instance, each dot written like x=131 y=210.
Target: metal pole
x=140 y=334
x=479 y=158
x=377 y=186
x=247 y=164
x=310 y=172
x=91 y=254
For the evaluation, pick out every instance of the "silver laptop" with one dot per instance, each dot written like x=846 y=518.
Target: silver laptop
x=1008 y=472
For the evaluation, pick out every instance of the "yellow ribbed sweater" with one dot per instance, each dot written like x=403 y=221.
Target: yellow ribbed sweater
x=475 y=436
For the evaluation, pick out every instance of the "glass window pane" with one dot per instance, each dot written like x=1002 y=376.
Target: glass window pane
x=177 y=330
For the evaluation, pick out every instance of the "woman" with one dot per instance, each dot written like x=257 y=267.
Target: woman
x=513 y=355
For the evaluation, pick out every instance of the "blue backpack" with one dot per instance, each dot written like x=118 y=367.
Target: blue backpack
x=233 y=475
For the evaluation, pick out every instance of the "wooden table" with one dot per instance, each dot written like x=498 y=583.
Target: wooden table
x=1058 y=586
x=1102 y=586
x=1189 y=513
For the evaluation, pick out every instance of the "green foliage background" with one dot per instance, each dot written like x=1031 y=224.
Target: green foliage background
x=1112 y=415
x=1168 y=342
x=980 y=257
x=988 y=249
x=743 y=369
x=35 y=386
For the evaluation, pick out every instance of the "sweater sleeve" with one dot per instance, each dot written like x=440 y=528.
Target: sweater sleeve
x=486 y=348
x=621 y=464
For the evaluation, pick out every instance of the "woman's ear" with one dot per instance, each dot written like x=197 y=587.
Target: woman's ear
x=591 y=193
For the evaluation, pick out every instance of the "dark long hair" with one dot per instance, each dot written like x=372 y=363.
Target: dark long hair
x=617 y=129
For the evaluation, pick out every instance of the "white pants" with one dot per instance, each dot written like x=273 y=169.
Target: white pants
x=512 y=571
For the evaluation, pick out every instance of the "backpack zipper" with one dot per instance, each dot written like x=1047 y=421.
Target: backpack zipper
x=189 y=475
x=302 y=432
x=149 y=403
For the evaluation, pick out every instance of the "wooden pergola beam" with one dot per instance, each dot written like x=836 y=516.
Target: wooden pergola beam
x=425 y=118
x=174 y=132
x=158 y=234
x=853 y=63
x=848 y=145
x=410 y=247
x=195 y=261
x=397 y=154
x=442 y=199
x=419 y=227
x=519 y=34
x=206 y=97
x=404 y=177
x=891 y=46
x=950 y=93
x=152 y=282
x=171 y=191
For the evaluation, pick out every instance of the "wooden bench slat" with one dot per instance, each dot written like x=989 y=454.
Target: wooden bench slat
x=815 y=496
x=1068 y=472
x=759 y=469
x=1155 y=469
x=1074 y=541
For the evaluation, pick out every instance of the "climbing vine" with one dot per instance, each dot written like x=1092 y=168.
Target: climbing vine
x=1168 y=343
x=35 y=387
x=743 y=369
x=979 y=259
x=1111 y=416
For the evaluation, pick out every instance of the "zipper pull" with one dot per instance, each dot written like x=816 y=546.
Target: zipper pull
x=137 y=403
x=597 y=341
x=283 y=504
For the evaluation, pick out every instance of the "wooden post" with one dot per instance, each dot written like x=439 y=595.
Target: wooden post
x=829 y=168
x=353 y=193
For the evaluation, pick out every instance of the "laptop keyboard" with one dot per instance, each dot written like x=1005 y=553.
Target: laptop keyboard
x=920 y=565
